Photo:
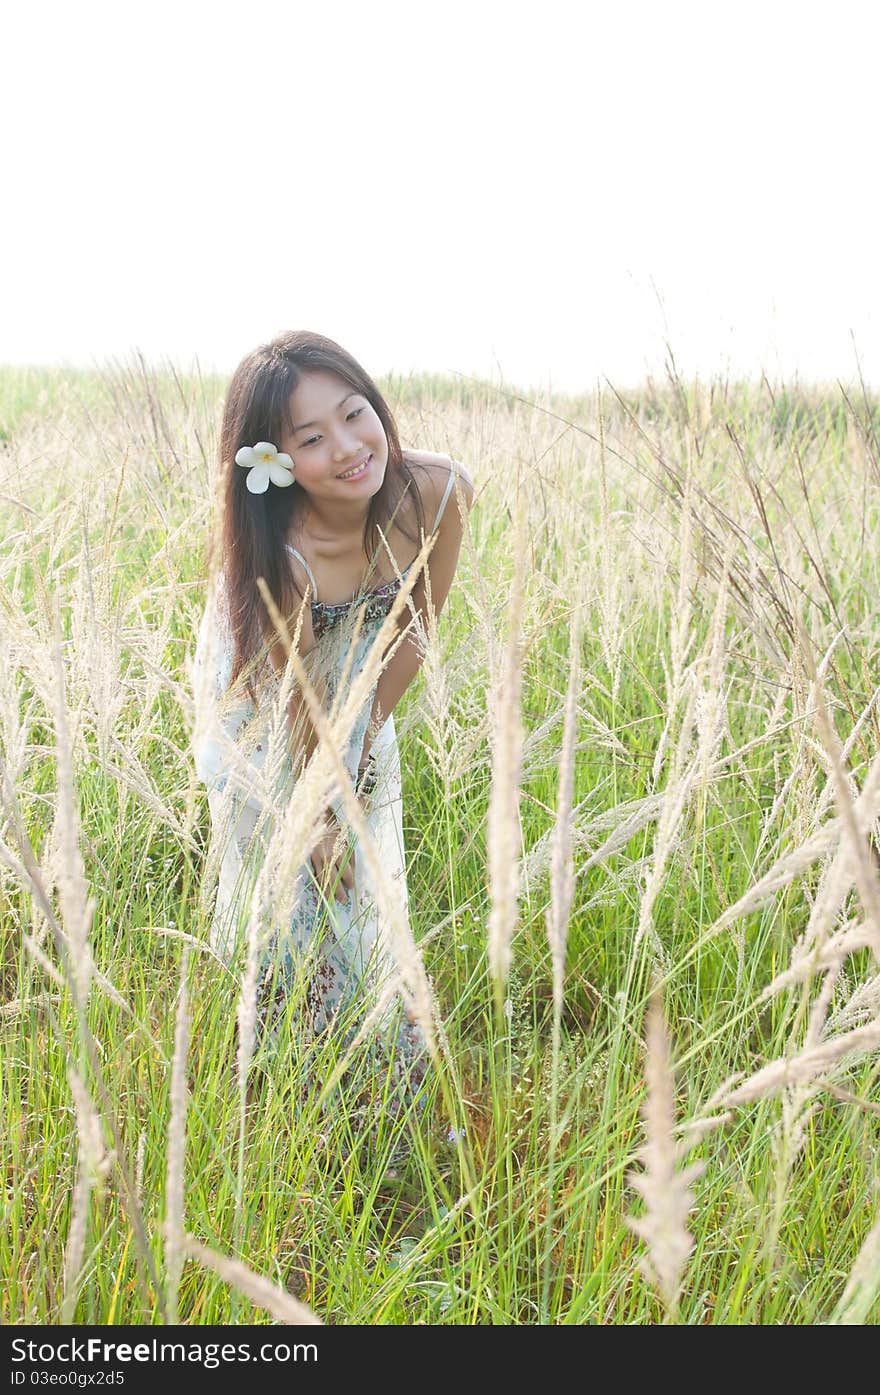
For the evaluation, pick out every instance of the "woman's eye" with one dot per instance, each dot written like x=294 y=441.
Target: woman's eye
x=312 y=439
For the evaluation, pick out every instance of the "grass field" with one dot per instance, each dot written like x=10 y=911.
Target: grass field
x=655 y=1091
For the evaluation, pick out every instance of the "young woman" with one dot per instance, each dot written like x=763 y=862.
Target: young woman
x=311 y=469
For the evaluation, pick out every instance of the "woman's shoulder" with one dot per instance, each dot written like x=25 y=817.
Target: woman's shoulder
x=432 y=471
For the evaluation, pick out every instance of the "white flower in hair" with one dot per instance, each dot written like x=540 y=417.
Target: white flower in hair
x=264 y=463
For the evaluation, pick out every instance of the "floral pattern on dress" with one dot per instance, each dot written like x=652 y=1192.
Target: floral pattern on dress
x=376 y=606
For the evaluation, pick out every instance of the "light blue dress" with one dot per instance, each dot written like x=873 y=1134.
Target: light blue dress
x=336 y=955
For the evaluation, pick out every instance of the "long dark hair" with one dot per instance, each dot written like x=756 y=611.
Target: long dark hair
x=253 y=527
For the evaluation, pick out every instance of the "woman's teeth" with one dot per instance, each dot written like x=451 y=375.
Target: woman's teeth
x=359 y=470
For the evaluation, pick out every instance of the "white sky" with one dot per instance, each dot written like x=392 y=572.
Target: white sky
x=543 y=190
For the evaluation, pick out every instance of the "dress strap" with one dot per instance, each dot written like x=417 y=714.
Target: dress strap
x=307 y=567
x=446 y=493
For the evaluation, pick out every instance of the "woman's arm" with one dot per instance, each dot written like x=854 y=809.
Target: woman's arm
x=441 y=567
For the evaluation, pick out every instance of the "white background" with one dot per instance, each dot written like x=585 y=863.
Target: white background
x=545 y=191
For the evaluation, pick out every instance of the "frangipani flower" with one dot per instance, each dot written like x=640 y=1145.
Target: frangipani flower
x=264 y=463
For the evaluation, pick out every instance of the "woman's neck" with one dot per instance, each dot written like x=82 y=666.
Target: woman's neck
x=336 y=527
x=336 y=536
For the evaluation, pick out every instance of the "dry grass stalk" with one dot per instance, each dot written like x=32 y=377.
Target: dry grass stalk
x=847 y=1097
x=42 y=959
x=504 y=797
x=50 y=970
x=626 y=819
x=787 y=1139
x=561 y=857
x=174 y=1184
x=259 y=1290
x=92 y=1166
x=15 y=730
x=663 y=1187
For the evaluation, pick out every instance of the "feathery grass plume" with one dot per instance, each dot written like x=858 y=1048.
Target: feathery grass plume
x=625 y=820
x=663 y=1187
x=610 y=608
x=855 y=737
x=15 y=726
x=16 y=1007
x=95 y=682
x=843 y=874
x=866 y=879
x=711 y=711
x=787 y=1140
x=561 y=857
x=174 y=1183
x=258 y=1289
x=806 y=1066
x=859 y=1297
x=438 y=705
x=140 y=1158
x=76 y=1241
x=830 y=955
x=820 y=1007
x=77 y=907
x=504 y=797
x=556 y=919
x=681 y=635
x=780 y=875
x=863 y=1002
x=92 y=1166
x=681 y=780
x=128 y=770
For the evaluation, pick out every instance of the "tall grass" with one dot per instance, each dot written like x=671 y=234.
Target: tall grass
x=641 y=800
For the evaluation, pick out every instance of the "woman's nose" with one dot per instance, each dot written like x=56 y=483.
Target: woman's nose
x=345 y=445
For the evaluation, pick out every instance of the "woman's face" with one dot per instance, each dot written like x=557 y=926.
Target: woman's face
x=335 y=432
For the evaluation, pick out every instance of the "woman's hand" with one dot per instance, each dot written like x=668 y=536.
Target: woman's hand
x=334 y=854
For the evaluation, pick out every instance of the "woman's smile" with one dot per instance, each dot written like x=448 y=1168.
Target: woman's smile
x=356 y=472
